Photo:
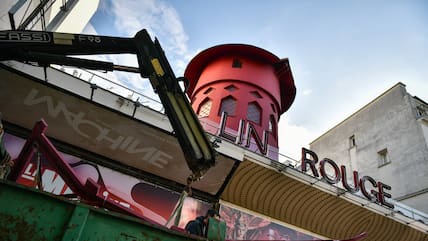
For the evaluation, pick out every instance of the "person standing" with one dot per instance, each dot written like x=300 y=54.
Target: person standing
x=200 y=224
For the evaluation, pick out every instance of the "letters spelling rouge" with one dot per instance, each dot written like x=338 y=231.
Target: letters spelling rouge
x=377 y=194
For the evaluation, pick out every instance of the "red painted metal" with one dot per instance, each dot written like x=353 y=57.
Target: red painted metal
x=91 y=192
x=260 y=72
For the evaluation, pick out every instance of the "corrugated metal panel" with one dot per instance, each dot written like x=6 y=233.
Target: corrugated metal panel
x=28 y=214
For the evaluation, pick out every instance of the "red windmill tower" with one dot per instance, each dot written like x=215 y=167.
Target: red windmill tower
x=239 y=92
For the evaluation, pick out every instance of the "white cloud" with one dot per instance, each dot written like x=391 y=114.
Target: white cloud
x=161 y=21
x=292 y=138
x=307 y=92
x=159 y=18
x=89 y=29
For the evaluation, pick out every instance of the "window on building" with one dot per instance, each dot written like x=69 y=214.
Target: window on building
x=230 y=88
x=205 y=108
x=236 y=63
x=254 y=112
x=383 y=158
x=228 y=105
x=352 y=142
x=421 y=111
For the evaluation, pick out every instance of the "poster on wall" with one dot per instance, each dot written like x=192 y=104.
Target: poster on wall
x=145 y=199
x=88 y=125
x=192 y=208
x=245 y=226
x=148 y=200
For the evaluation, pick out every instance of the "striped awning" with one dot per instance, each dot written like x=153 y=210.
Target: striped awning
x=277 y=195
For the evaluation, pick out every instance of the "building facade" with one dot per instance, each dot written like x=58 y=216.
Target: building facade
x=108 y=141
x=102 y=135
x=388 y=140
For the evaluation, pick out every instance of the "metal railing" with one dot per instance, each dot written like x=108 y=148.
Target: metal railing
x=95 y=78
x=410 y=212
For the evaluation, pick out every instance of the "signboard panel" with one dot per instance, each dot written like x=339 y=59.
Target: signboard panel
x=87 y=125
x=244 y=226
x=138 y=196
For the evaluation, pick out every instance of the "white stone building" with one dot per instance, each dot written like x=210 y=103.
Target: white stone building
x=388 y=140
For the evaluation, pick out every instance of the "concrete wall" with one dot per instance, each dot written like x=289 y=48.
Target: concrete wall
x=74 y=21
x=389 y=122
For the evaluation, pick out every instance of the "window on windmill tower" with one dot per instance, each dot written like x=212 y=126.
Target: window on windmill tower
x=228 y=105
x=256 y=94
x=272 y=126
x=254 y=112
x=236 y=63
x=205 y=108
x=207 y=91
x=230 y=88
x=273 y=108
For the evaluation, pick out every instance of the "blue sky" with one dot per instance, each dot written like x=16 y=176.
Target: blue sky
x=343 y=54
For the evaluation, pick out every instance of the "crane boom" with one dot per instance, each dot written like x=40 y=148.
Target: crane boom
x=58 y=48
